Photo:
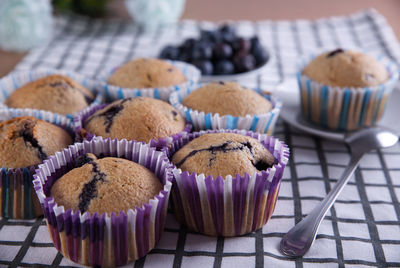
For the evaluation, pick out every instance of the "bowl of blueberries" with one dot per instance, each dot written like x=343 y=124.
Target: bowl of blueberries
x=220 y=54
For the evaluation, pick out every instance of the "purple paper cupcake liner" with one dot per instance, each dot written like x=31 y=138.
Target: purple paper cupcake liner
x=229 y=206
x=18 y=198
x=82 y=134
x=105 y=240
x=13 y=81
x=112 y=92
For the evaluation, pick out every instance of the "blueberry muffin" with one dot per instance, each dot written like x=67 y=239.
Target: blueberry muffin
x=227 y=98
x=146 y=73
x=346 y=68
x=140 y=119
x=105 y=185
x=27 y=141
x=55 y=93
x=222 y=154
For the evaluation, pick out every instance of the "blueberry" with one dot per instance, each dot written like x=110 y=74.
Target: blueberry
x=223 y=67
x=260 y=54
x=222 y=51
x=226 y=28
x=170 y=52
x=227 y=33
x=244 y=62
x=188 y=43
x=210 y=36
x=205 y=66
x=241 y=44
x=201 y=50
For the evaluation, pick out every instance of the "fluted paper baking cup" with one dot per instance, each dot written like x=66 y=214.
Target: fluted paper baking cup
x=18 y=198
x=345 y=109
x=263 y=123
x=229 y=206
x=105 y=240
x=113 y=92
x=82 y=134
x=15 y=80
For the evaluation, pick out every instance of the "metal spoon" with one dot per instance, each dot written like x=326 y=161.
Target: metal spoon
x=299 y=239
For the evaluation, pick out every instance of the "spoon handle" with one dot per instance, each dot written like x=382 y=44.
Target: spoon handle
x=299 y=239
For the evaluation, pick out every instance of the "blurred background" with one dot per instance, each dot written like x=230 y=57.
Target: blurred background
x=26 y=17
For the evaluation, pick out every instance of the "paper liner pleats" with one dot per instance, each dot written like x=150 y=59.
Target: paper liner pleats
x=15 y=80
x=105 y=240
x=345 y=109
x=18 y=198
x=263 y=123
x=81 y=133
x=228 y=206
x=113 y=92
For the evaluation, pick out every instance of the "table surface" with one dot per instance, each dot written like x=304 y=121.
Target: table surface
x=255 y=10
x=361 y=229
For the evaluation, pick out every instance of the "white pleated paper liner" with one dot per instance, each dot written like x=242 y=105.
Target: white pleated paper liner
x=15 y=80
x=18 y=198
x=262 y=123
x=113 y=92
x=105 y=240
x=345 y=109
x=230 y=206
x=82 y=134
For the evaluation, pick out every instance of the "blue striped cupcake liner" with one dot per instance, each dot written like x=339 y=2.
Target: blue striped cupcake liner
x=18 y=198
x=345 y=109
x=262 y=123
x=112 y=92
x=82 y=134
x=15 y=80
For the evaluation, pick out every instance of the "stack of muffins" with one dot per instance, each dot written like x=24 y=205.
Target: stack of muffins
x=103 y=179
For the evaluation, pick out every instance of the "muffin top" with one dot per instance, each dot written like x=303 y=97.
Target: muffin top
x=55 y=93
x=346 y=68
x=105 y=185
x=140 y=119
x=222 y=154
x=27 y=141
x=146 y=73
x=227 y=98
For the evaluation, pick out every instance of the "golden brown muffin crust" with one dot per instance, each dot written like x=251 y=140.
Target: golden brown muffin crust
x=222 y=154
x=140 y=119
x=227 y=98
x=27 y=141
x=346 y=68
x=105 y=185
x=55 y=93
x=146 y=73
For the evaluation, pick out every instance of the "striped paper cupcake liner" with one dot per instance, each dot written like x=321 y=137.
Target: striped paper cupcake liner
x=105 y=240
x=18 y=198
x=82 y=134
x=262 y=123
x=229 y=206
x=15 y=80
x=112 y=92
x=345 y=109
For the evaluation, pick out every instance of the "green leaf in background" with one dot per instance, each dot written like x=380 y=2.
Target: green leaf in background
x=93 y=8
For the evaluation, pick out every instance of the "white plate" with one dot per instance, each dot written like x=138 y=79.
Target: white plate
x=232 y=77
x=288 y=92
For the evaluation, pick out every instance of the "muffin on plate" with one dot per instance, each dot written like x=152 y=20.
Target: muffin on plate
x=140 y=119
x=109 y=197
x=227 y=105
x=222 y=154
x=105 y=185
x=146 y=73
x=226 y=182
x=25 y=142
x=55 y=93
x=345 y=90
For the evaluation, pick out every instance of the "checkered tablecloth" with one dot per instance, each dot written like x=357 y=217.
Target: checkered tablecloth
x=363 y=227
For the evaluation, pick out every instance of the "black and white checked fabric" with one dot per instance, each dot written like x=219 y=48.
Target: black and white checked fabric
x=361 y=230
